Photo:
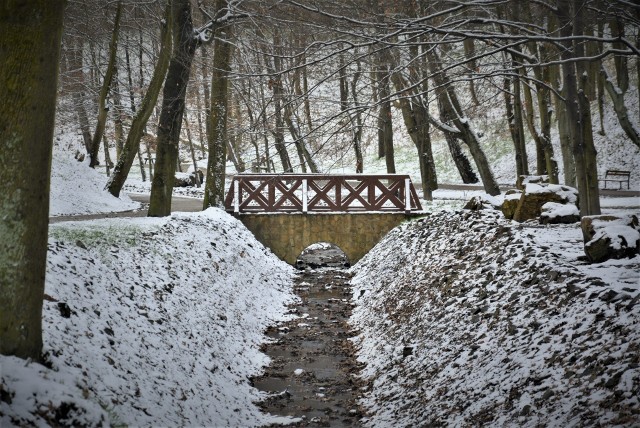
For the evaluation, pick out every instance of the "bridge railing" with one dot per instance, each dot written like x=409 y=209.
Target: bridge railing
x=250 y=193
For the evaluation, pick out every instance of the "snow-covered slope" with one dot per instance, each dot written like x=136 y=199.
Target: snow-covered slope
x=78 y=189
x=465 y=319
x=158 y=321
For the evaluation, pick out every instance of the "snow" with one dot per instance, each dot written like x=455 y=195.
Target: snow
x=554 y=210
x=568 y=194
x=159 y=320
x=619 y=235
x=507 y=327
x=78 y=189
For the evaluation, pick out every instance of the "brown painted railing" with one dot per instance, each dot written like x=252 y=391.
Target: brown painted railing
x=321 y=193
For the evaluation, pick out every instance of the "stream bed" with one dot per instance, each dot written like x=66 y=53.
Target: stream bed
x=314 y=374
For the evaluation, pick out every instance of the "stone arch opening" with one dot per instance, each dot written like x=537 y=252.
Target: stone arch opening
x=322 y=254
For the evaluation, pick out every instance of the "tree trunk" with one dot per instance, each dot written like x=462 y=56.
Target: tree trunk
x=356 y=122
x=118 y=116
x=170 y=123
x=103 y=109
x=217 y=138
x=469 y=52
x=107 y=156
x=139 y=122
x=416 y=121
x=30 y=35
x=620 y=61
x=600 y=83
x=385 y=123
x=77 y=88
x=449 y=102
x=192 y=151
x=617 y=96
x=578 y=112
x=529 y=114
x=514 y=121
x=276 y=84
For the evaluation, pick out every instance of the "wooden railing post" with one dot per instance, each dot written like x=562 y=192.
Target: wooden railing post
x=407 y=194
x=236 y=191
x=305 y=195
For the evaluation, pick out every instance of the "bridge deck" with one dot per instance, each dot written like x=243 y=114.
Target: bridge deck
x=253 y=193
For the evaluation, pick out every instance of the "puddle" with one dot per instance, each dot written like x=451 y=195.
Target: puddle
x=313 y=373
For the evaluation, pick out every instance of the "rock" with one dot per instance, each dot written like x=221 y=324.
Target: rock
x=590 y=224
x=610 y=237
x=182 y=180
x=523 y=180
x=65 y=310
x=535 y=196
x=187 y=180
x=555 y=213
x=482 y=202
x=510 y=203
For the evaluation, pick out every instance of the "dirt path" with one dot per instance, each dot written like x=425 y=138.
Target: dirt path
x=313 y=371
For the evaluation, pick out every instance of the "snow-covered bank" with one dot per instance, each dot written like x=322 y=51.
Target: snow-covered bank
x=158 y=321
x=468 y=319
x=78 y=189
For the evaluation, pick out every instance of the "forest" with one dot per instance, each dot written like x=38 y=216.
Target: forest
x=281 y=86
x=294 y=85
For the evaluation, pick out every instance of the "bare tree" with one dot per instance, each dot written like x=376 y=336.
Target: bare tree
x=30 y=37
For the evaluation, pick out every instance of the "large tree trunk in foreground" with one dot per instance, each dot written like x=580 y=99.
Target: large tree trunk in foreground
x=132 y=146
x=30 y=34
x=170 y=123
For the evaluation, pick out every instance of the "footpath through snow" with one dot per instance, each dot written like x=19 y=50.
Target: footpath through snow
x=468 y=319
x=150 y=322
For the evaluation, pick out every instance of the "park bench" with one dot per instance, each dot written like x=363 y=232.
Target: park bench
x=616 y=176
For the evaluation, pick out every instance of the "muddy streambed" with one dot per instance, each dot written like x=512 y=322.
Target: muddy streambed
x=313 y=373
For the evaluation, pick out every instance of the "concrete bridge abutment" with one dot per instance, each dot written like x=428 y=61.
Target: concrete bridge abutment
x=288 y=234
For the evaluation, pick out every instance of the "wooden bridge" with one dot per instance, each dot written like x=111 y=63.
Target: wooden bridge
x=251 y=193
x=289 y=212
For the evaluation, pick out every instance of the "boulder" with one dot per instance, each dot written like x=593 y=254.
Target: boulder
x=523 y=180
x=187 y=180
x=555 y=213
x=590 y=224
x=510 y=203
x=482 y=202
x=535 y=196
x=610 y=237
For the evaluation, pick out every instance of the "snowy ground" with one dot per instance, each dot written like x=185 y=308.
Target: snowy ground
x=150 y=322
x=462 y=318
x=466 y=318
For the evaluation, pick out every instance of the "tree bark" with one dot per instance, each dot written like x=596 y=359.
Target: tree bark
x=30 y=35
x=132 y=145
x=416 y=120
x=448 y=100
x=514 y=121
x=170 y=123
x=192 y=151
x=385 y=122
x=77 y=88
x=356 y=121
x=219 y=106
x=578 y=113
x=103 y=109
x=617 y=96
x=276 y=85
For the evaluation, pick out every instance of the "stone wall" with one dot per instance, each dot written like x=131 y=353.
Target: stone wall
x=355 y=233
